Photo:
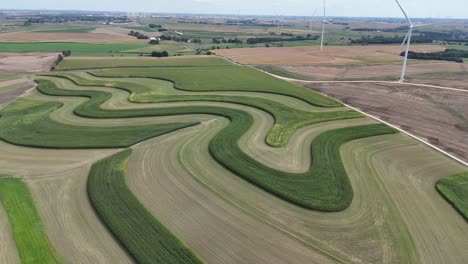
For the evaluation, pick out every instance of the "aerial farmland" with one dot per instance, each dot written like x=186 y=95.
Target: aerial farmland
x=141 y=137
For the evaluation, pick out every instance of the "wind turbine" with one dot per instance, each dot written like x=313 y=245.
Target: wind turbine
x=278 y=17
x=310 y=20
x=323 y=26
x=406 y=40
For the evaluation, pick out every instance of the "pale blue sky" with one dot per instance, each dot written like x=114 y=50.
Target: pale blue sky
x=371 y=8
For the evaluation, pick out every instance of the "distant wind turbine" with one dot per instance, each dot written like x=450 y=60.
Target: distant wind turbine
x=278 y=17
x=323 y=26
x=406 y=40
x=310 y=20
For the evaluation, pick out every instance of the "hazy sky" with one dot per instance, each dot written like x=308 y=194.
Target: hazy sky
x=371 y=8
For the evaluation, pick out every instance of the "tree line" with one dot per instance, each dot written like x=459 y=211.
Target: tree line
x=446 y=55
x=380 y=39
x=252 y=41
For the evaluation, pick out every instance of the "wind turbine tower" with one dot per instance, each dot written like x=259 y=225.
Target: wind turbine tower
x=323 y=26
x=406 y=40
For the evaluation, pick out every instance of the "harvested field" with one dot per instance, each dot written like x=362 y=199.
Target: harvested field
x=440 y=116
x=145 y=238
x=381 y=72
x=457 y=79
x=71 y=223
x=30 y=237
x=333 y=55
x=8 y=251
x=26 y=62
x=68 y=37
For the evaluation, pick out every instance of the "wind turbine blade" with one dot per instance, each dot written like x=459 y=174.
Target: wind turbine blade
x=315 y=12
x=404 y=40
x=404 y=13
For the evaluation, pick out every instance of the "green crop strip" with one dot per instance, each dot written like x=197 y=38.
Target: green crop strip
x=455 y=190
x=232 y=78
x=324 y=187
x=27 y=123
x=287 y=119
x=145 y=238
x=77 y=63
x=28 y=232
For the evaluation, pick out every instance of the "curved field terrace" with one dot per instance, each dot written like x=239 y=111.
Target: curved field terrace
x=197 y=160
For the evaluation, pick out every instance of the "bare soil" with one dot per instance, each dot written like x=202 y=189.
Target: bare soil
x=453 y=79
x=26 y=61
x=439 y=116
x=10 y=96
x=341 y=55
x=382 y=72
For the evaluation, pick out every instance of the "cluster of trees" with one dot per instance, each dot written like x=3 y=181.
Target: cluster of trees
x=450 y=36
x=158 y=27
x=154 y=42
x=203 y=52
x=181 y=39
x=446 y=55
x=154 y=26
x=397 y=29
x=366 y=40
x=230 y=40
x=138 y=35
x=159 y=54
x=252 y=41
x=60 y=57
x=66 y=53
x=165 y=37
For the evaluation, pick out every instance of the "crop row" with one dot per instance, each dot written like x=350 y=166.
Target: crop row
x=287 y=119
x=27 y=123
x=145 y=238
x=323 y=187
x=232 y=78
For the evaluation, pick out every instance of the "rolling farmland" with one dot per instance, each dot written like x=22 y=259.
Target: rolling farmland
x=218 y=163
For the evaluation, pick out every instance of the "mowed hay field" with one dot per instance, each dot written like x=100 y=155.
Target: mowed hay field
x=25 y=62
x=210 y=122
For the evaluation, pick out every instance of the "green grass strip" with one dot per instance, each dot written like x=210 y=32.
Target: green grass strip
x=28 y=231
x=145 y=238
x=455 y=190
x=27 y=123
x=323 y=187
